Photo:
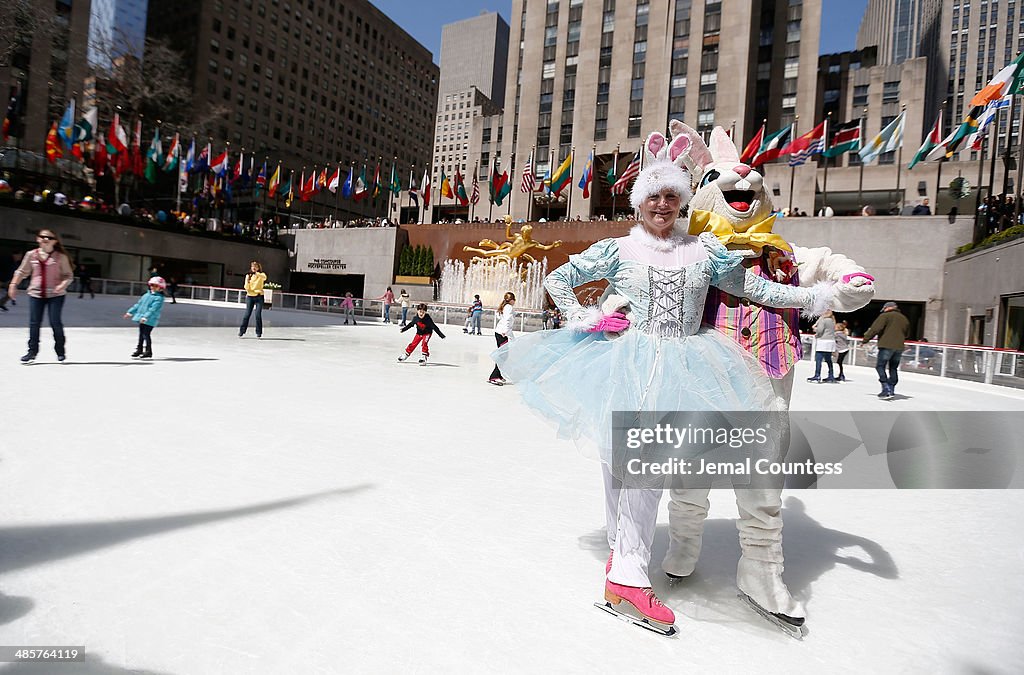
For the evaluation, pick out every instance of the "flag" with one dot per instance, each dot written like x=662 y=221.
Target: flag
x=750 y=151
x=117 y=139
x=414 y=193
x=886 y=140
x=846 y=139
x=396 y=185
x=99 y=156
x=626 y=179
x=11 y=116
x=475 y=197
x=308 y=188
x=987 y=115
x=1009 y=80
x=528 y=183
x=500 y=187
x=332 y=183
x=190 y=156
x=771 y=146
x=562 y=175
x=275 y=182
x=86 y=126
x=376 y=181
x=802 y=148
x=446 y=187
x=261 y=180
x=346 y=189
x=322 y=180
x=66 y=128
x=360 y=190
x=53 y=151
x=425 y=189
x=587 y=176
x=289 y=190
x=460 y=189
x=138 y=166
x=239 y=168
x=182 y=178
x=154 y=156
x=171 y=162
x=931 y=141
x=219 y=165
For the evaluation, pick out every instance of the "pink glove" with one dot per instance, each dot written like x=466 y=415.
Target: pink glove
x=611 y=323
x=849 y=277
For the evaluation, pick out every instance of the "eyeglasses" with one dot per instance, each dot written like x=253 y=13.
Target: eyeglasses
x=47 y=237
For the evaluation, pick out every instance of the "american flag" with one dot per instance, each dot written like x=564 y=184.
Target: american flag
x=475 y=198
x=528 y=183
x=631 y=172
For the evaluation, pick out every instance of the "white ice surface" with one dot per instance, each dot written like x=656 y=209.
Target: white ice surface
x=305 y=504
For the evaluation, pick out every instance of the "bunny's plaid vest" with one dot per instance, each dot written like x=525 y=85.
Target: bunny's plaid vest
x=771 y=335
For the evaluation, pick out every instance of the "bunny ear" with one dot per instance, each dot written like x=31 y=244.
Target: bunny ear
x=722 y=147
x=696 y=156
x=677 y=149
x=654 y=146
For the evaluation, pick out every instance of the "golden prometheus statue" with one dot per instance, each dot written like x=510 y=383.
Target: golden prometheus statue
x=516 y=246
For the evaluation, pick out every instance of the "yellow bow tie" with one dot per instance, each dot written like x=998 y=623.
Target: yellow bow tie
x=756 y=237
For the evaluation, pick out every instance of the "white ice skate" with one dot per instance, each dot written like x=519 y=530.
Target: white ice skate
x=423 y=359
x=403 y=357
x=762 y=587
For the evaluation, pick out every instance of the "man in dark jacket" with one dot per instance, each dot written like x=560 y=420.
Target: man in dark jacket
x=892 y=328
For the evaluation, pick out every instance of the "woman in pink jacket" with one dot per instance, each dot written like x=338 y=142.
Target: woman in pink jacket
x=389 y=299
x=50 y=270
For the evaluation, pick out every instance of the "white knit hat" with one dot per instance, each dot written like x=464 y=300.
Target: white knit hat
x=663 y=168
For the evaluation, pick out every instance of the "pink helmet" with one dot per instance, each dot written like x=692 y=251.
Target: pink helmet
x=158 y=282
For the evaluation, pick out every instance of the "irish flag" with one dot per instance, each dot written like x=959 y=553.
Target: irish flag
x=1009 y=80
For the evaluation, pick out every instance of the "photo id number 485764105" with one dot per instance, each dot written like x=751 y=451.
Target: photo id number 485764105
x=33 y=654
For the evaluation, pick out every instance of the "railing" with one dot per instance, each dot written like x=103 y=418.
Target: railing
x=1002 y=367
x=442 y=313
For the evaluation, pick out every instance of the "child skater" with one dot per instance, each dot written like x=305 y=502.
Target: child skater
x=146 y=312
x=425 y=327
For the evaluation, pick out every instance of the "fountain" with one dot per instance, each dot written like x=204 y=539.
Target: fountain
x=491 y=278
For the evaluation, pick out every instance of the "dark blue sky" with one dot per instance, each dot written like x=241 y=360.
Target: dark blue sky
x=423 y=19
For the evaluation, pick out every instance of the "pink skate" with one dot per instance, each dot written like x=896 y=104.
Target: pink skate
x=654 y=615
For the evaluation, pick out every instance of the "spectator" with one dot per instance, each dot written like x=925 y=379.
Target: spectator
x=922 y=209
x=892 y=328
x=84 y=281
x=826 y=211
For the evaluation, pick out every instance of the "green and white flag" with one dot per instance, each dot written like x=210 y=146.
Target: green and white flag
x=888 y=139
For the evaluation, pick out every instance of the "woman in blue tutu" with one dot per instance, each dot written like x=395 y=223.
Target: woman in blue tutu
x=644 y=350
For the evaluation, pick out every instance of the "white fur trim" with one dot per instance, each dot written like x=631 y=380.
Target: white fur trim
x=657 y=176
x=675 y=239
x=822 y=299
x=585 y=319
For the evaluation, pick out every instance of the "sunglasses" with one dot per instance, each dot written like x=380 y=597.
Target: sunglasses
x=47 y=237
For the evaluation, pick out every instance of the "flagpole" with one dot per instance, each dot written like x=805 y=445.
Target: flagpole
x=860 y=136
x=1020 y=168
x=792 y=169
x=824 y=186
x=472 y=205
x=938 y=174
x=993 y=150
x=977 y=197
x=615 y=172
x=899 y=167
x=529 y=204
x=511 y=180
x=551 y=172
x=572 y=166
x=1009 y=145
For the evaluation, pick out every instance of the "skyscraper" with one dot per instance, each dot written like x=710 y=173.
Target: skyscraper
x=116 y=28
x=706 y=62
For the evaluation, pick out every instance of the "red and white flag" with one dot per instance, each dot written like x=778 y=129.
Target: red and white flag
x=529 y=182
x=631 y=172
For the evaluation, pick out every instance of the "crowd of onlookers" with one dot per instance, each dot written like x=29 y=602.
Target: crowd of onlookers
x=996 y=214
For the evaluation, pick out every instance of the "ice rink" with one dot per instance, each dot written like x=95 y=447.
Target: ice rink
x=305 y=504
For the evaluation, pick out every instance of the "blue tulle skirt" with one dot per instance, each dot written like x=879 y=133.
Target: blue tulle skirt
x=577 y=380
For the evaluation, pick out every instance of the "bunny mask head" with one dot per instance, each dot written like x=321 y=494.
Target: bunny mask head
x=663 y=169
x=727 y=187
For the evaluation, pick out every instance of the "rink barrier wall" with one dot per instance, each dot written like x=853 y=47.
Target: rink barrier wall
x=988 y=365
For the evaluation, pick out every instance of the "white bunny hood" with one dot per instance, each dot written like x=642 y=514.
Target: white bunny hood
x=663 y=168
